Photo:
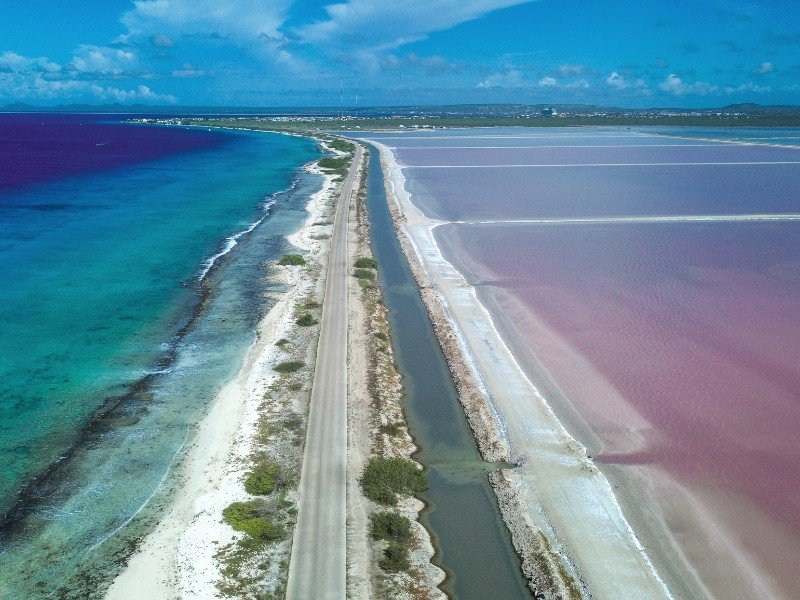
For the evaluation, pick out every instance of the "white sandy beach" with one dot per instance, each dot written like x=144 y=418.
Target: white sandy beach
x=567 y=498
x=177 y=559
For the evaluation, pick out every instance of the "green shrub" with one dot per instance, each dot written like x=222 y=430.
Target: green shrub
x=338 y=165
x=391 y=526
x=281 y=342
x=306 y=320
x=384 y=478
x=395 y=558
x=289 y=366
x=238 y=513
x=341 y=145
x=292 y=259
x=364 y=274
x=249 y=518
x=293 y=422
x=366 y=263
x=264 y=529
x=263 y=479
x=391 y=428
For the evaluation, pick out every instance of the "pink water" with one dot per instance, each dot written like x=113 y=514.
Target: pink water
x=697 y=326
x=671 y=348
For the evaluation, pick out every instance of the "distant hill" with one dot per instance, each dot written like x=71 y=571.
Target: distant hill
x=437 y=111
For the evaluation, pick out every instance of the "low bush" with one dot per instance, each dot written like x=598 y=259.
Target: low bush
x=341 y=145
x=366 y=263
x=292 y=259
x=395 y=558
x=338 y=165
x=306 y=320
x=263 y=479
x=250 y=519
x=391 y=526
x=384 y=478
x=289 y=366
x=364 y=274
x=391 y=428
x=281 y=342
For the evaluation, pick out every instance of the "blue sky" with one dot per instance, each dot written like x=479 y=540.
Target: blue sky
x=302 y=53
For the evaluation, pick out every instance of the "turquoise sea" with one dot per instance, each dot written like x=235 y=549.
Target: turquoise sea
x=130 y=294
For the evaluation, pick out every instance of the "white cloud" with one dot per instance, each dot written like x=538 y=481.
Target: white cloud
x=548 y=82
x=619 y=82
x=748 y=87
x=188 y=72
x=237 y=19
x=510 y=78
x=580 y=84
x=676 y=86
x=140 y=93
x=100 y=60
x=766 y=67
x=385 y=24
x=23 y=77
x=160 y=40
x=570 y=69
x=16 y=63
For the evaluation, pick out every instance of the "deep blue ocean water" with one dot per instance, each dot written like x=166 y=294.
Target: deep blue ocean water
x=114 y=333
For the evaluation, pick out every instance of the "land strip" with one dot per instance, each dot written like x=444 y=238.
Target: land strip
x=318 y=562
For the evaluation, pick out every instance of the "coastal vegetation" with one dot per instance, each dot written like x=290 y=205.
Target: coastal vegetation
x=364 y=274
x=289 y=366
x=395 y=558
x=263 y=479
x=335 y=164
x=254 y=519
x=292 y=260
x=391 y=526
x=393 y=428
x=306 y=320
x=366 y=262
x=385 y=478
x=341 y=145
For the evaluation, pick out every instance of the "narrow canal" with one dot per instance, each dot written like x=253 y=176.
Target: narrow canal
x=472 y=541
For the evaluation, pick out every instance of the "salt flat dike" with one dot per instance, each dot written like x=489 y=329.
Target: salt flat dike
x=597 y=292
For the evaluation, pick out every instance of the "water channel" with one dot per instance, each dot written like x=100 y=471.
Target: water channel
x=473 y=544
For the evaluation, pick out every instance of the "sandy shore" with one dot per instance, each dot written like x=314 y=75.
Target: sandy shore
x=179 y=557
x=556 y=499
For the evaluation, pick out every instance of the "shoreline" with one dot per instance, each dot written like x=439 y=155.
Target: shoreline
x=179 y=556
x=592 y=544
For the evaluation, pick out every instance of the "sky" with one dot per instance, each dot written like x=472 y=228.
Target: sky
x=278 y=53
